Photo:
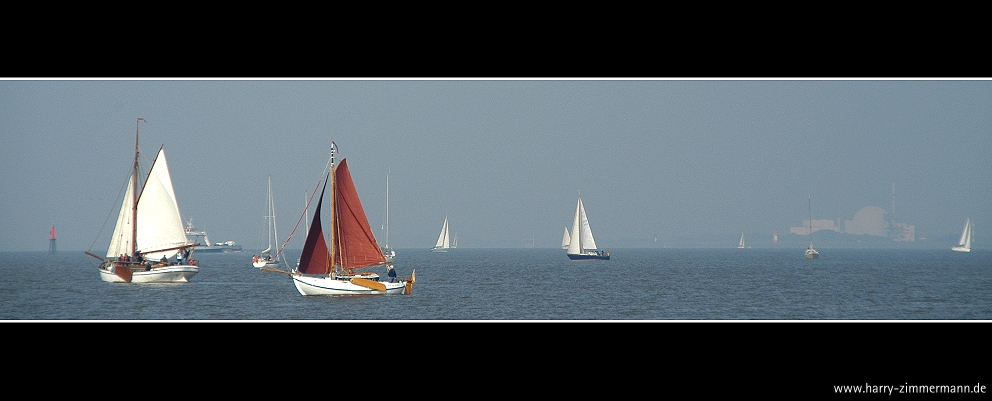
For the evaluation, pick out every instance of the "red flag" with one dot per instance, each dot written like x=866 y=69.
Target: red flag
x=334 y=146
x=141 y=119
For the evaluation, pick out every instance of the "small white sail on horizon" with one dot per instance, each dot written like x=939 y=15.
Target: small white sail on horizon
x=964 y=244
x=565 y=239
x=443 y=240
x=581 y=245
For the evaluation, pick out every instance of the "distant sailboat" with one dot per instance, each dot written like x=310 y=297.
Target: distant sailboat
x=386 y=250
x=741 y=245
x=810 y=252
x=582 y=246
x=564 y=239
x=443 y=240
x=964 y=244
x=266 y=258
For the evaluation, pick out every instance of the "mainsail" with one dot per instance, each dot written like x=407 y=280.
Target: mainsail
x=965 y=240
x=353 y=246
x=120 y=243
x=587 y=241
x=581 y=233
x=443 y=241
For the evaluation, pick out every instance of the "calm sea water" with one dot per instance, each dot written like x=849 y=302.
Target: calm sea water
x=533 y=284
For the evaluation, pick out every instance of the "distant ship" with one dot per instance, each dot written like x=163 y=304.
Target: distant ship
x=200 y=237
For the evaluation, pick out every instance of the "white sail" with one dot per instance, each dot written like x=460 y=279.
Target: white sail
x=273 y=234
x=565 y=240
x=160 y=226
x=120 y=243
x=573 y=246
x=587 y=241
x=442 y=240
x=966 y=234
x=741 y=244
x=964 y=244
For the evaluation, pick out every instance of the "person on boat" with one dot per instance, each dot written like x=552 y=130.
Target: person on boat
x=392 y=274
x=164 y=260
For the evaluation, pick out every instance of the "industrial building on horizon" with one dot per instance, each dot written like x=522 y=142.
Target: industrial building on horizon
x=870 y=220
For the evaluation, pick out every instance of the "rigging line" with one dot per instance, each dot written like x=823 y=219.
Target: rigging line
x=298 y=220
x=112 y=207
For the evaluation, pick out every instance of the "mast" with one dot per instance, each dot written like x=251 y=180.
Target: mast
x=134 y=192
x=810 y=205
x=387 y=209
x=334 y=215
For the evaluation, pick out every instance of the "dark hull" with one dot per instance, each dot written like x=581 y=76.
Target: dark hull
x=588 y=257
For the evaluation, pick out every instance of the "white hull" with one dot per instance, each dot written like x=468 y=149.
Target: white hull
x=812 y=254
x=961 y=249
x=167 y=274
x=310 y=285
x=439 y=249
x=262 y=263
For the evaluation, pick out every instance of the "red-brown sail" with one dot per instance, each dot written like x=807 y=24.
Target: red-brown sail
x=315 y=259
x=354 y=244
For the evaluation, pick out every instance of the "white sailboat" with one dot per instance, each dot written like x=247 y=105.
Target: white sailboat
x=810 y=252
x=266 y=258
x=582 y=246
x=149 y=243
x=443 y=241
x=329 y=268
x=565 y=239
x=741 y=244
x=964 y=244
x=386 y=250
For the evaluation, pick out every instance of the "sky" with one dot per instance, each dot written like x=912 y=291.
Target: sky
x=657 y=162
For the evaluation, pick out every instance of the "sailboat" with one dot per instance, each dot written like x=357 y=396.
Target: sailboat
x=443 y=241
x=564 y=239
x=582 y=246
x=964 y=244
x=329 y=269
x=741 y=244
x=265 y=258
x=810 y=252
x=149 y=243
x=386 y=250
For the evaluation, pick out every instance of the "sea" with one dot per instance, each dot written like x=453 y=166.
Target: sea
x=532 y=285
x=675 y=321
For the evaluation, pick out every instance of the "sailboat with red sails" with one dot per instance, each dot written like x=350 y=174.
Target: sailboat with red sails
x=335 y=267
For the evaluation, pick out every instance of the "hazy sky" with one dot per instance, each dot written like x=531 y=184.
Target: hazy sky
x=505 y=160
